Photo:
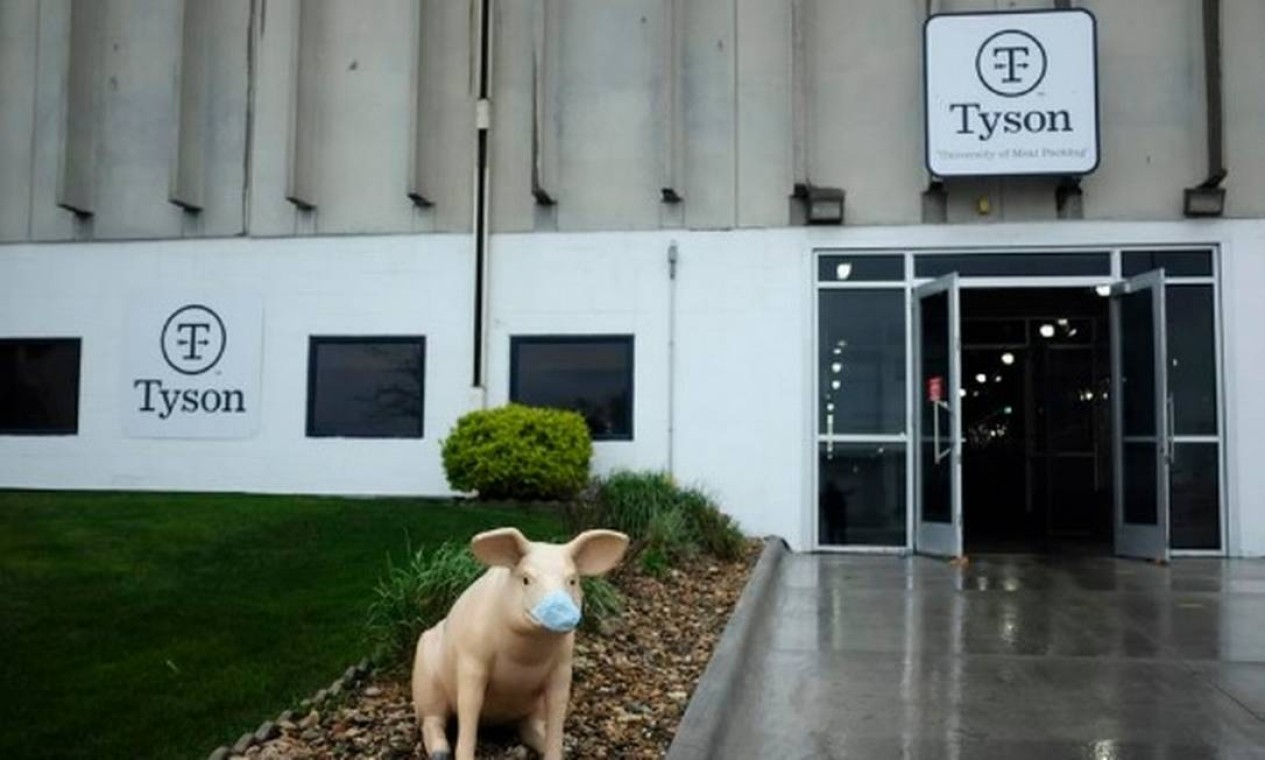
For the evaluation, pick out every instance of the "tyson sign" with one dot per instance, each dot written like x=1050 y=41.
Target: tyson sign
x=1011 y=93
x=193 y=366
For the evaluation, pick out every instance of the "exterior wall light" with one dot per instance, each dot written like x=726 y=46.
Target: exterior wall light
x=1203 y=201
x=822 y=205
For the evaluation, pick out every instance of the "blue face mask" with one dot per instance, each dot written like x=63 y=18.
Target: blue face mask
x=557 y=612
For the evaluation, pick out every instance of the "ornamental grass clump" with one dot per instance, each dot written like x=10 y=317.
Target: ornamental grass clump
x=667 y=523
x=519 y=452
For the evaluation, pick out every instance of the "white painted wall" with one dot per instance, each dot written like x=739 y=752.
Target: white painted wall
x=329 y=286
x=744 y=337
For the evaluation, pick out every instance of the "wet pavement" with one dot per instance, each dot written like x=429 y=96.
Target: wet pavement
x=1016 y=657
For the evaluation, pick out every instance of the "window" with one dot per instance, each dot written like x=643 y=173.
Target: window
x=590 y=374
x=39 y=386
x=366 y=387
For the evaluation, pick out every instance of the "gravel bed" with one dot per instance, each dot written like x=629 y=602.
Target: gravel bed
x=630 y=686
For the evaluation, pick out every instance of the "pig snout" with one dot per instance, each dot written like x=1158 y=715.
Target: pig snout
x=557 y=612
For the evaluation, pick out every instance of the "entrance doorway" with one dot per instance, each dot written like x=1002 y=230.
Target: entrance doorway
x=1036 y=421
x=1028 y=401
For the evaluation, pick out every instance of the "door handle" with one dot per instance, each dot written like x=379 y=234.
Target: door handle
x=1170 y=431
x=937 y=406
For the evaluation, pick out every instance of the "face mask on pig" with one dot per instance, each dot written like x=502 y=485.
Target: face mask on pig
x=545 y=578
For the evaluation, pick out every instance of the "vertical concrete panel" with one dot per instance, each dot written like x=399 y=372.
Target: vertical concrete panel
x=364 y=107
x=227 y=94
x=140 y=66
x=1243 y=67
x=513 y=208
x=710 y=110
x=763 y=132
x=866 y=132
x=48 y=220
x=445 y=121
x=270 y=213
x=19 y=25
x=1151 y=102
x=611 y=140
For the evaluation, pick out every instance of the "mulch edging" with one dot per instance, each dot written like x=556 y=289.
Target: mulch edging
x=630 y=687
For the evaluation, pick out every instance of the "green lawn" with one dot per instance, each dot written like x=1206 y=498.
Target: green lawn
x=162 y=625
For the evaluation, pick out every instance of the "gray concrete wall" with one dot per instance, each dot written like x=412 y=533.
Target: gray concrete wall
x=389 y=108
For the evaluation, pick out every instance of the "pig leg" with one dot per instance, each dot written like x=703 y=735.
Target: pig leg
x=472 y=683
x=531 y=730
x=557 y=695
x=429 y=701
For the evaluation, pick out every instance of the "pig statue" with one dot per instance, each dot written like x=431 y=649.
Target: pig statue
x=503 y=654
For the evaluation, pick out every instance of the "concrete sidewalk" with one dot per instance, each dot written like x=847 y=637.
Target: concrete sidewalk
x=1011 y=657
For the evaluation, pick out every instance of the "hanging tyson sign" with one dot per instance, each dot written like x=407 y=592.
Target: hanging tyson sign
x=1011 y=93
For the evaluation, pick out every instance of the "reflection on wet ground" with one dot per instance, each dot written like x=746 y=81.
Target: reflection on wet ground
x=1009 y=657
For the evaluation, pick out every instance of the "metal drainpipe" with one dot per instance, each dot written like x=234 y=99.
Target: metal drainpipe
x=672 y=259
x=482 y=194
x=1212 y=81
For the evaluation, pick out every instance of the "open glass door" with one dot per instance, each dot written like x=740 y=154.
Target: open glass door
x=938 y=418
x=1142 y=409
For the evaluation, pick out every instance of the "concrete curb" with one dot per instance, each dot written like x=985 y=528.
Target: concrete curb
x=708 y=708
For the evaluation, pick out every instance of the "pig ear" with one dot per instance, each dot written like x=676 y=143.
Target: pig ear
x=597 y=551
x=503 y=547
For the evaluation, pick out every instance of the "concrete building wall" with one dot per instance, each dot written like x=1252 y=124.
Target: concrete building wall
x=380 y=104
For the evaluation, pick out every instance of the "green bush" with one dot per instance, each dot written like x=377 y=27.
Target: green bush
x=519 y=452
x=418 y=594
x=669 y=539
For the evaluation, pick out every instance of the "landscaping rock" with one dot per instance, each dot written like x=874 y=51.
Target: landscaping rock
x=267 y=730
x=630 y=687
x=220 y=753
x=243 y=744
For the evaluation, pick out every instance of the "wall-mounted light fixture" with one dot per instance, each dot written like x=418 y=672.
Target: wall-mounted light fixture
x=822 y=205
x=1206 y=198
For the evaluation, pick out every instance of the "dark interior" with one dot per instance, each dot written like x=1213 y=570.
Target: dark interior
x=1036 y=417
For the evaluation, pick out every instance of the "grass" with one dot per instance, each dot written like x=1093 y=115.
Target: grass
x=162 y=625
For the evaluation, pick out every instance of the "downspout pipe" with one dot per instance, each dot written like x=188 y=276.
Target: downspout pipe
x=1208 y=197
x=482 y=193
x=673 y=257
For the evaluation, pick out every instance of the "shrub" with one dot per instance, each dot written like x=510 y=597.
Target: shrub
x=668 y=540
x=418 y=594
x=518 y=452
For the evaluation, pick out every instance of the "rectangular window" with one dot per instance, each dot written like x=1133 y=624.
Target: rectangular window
x=1014 y=264
x=861 y=361
x=861 y=268
x=39 y=386
x=589 y=374
x=861 y=494
x=1194 y=263
x=366 y=387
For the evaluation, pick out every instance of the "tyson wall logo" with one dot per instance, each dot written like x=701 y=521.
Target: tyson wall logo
x=194 y=369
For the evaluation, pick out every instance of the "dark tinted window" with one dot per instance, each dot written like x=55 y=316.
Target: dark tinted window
x=592 y=375
x=366 y=387
x=1195 y=496
x=861 y=361
x=1192 y=359
x=1196 y=263
x=861 y=494
x=1014 y=265
x=860 y=268
x=39 y=386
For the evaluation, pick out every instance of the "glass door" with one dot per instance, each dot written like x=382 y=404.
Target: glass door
x=1141 y=406
x=938 y=418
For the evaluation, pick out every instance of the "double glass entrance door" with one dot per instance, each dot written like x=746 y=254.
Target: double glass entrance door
x=1142 y=431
